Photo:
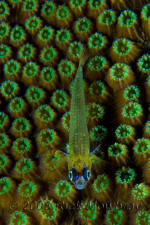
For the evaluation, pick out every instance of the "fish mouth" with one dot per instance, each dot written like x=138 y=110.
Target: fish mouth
x=80 y=187
x=80 y=184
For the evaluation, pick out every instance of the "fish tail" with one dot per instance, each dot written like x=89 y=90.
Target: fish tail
x=84 y=57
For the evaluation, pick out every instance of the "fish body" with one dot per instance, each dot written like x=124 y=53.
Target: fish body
x=79 y=157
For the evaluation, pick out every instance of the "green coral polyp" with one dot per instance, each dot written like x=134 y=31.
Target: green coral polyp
x=98 y=133
x=4 y=31
x=27 y=189
x=96 y=3
x=51 y=161
x=17 y=105
x=45 y=114
x=9 y=89
x=48 y=55
x=114 y=216
x=4 y=121
x=35 y=95
x=5 y=185
x=77 y=3
x=145 y=11
x=96 y=40
x=88 y=211
x=147 y=126
x=24 y=166
x=132 y=110
x=142 y=217
x=46 y=137
x=26 y=52
x=82 y=25
x=95 y=111
x=19 y=217
x=21 y=127
x=119 y=71
x=101 y=183
x=63 y=36
x=75 y=50
x=30 y=70
x=124 y=131
x=60 y=98
x=48 y=74
x=29 y=5
x=46 y=34
x=48 y=8
x=4 y=141
x=4 y=10
x=33 y=24
x=97 y=88
x=66 y=68
x=97 y=63
x=143 y=64
x=132 y=93
x=140 y=191
x=48 y=210
x=122 y=46
x=17 y=34
x=127 y=18
x=66 y=120
x=107 y=17
x=21 y=145
x=142 y=146
x=63 y=188
x=12 y=68
x=4 y=163
x=116 y=149
x=5 y=53
x=125 y=175
x=62 y=12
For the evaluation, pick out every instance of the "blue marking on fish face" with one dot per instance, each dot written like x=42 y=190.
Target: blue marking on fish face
x=79 y=181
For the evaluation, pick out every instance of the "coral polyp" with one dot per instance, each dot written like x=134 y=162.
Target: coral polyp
x=33 y=24
x=17 y=36
x=12 y=69
x=97 y=43
x=105 y=21
x=4 y=31
x=19 y=217
x=96 y=67
x=125 y=134
x=83 y=28
x=89 y=212
x=102 y=188
x=116 y=216
x=5 y=53
x=75 y=50
x=44 y=116
x=47 y=138
x=118 y=153
x=21 y=147
x=17 y=107
x=48 y=212
x=21 y=127
x=25 y=168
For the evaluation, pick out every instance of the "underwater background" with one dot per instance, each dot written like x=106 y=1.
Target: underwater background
x=41 y=43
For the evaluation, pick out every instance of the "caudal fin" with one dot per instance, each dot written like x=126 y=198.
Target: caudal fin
x=85 y=55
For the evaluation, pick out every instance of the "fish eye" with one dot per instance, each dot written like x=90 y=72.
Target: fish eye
x=88 y=174
x=70 y=175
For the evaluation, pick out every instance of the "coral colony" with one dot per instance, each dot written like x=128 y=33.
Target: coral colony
x=74 y=112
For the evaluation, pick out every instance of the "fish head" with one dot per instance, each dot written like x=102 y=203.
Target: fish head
x=81 y=178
